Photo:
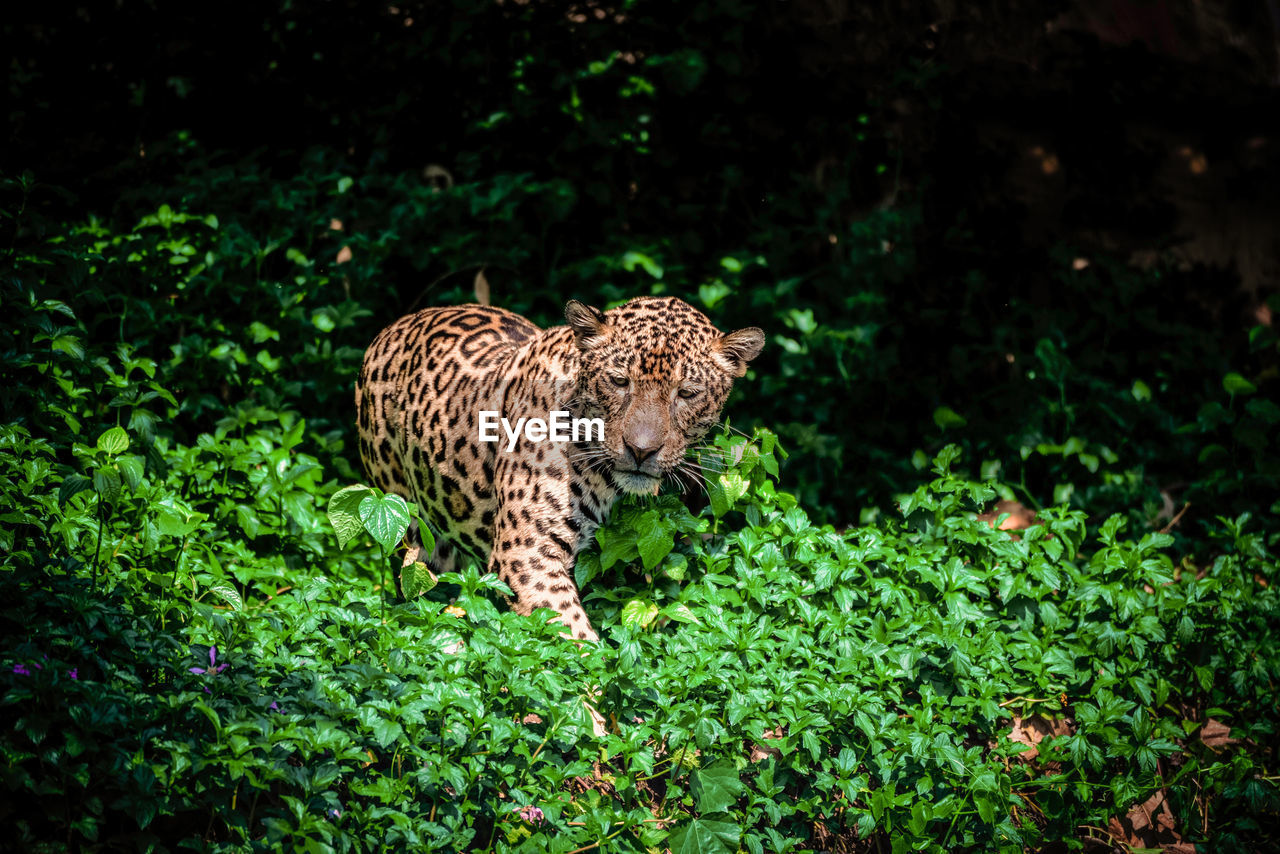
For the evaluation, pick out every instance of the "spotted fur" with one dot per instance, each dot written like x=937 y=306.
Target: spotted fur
x=655 y=370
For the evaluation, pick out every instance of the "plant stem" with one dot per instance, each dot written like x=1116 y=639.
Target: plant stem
x=97 y=552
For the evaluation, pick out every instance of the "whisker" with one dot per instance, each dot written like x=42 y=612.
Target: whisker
x=694 y=477
x=676 y=476
x=716 y=468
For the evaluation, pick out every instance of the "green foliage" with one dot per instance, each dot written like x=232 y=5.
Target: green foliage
x=366 y=509
x=185 y=646
x=195 y=651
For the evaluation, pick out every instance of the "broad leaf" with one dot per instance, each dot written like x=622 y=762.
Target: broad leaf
x=637 y=612
x=344 y=512
x=705 y=836
x=131 y=469
x=416 y=579
x=107 y=481
x=945 y=416
x=716 y=787
x=386 y=518
x=71 y=485
x=114 y=441
x=229 y=595
x=680 y=612
x=654 y=544
x=725 y=491
x=177 y=521
x=1236 y=384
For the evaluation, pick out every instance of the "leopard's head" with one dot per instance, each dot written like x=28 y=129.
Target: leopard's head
x=657 y=373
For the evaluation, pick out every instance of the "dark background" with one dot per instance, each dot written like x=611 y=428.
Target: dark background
x=1042 y=230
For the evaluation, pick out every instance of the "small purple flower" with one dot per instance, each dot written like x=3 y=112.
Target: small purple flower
x=21 y=670
x=214 y=667
x=336 y=813
x=274 y=707
x=74 y=673
x=532 y=814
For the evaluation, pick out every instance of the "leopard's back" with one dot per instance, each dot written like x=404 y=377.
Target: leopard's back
x=423 y=381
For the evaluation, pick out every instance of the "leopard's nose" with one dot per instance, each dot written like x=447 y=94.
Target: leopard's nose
x=643 y=443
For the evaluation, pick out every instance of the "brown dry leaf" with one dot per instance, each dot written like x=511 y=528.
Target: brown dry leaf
x=1035 y=729
x=335 y=225
x=1149 y=824
x=344 y=255
x=760 y=752
x=601 y=780
x=481 y=286
x=1216 y=735
x=1020 y=516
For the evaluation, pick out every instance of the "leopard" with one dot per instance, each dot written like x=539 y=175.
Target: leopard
x=654 y=370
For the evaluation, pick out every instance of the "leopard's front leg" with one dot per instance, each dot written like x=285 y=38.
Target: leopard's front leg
x=535 y=544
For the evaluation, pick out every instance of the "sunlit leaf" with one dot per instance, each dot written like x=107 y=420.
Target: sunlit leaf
x=386 y=518
x=344 y=512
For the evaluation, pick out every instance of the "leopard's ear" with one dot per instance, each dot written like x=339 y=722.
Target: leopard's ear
x=733 y=351
x=588 y=324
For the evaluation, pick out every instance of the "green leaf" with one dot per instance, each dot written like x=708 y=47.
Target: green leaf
x=1236 y=384
x=614 y=546
x=107 y=481
x=344 y=512
x=248 y=520
x=71 y=485
x=631 y=260
x=654 y=544
x=733 y=486
x=705 y=836
x=386 y=518
x=318 y=587
x=416 y=579
x=720 y=503
x=716 y=787
x=69 y=344
x=177 y=521
x=210 y=714
x=114 y=441
x=680 y=612
x=945 y=417
x=386 y=731
x=637 y=612
x=229 y=595
x=156 y=461
x=676 y=567
x=131 y=469
x=986 y=808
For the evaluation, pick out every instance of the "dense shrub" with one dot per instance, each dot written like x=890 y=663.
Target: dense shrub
x=190 y=658
x=829 y=649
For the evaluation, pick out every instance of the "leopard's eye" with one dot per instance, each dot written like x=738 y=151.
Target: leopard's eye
x=687 y=392
x=619 y=380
